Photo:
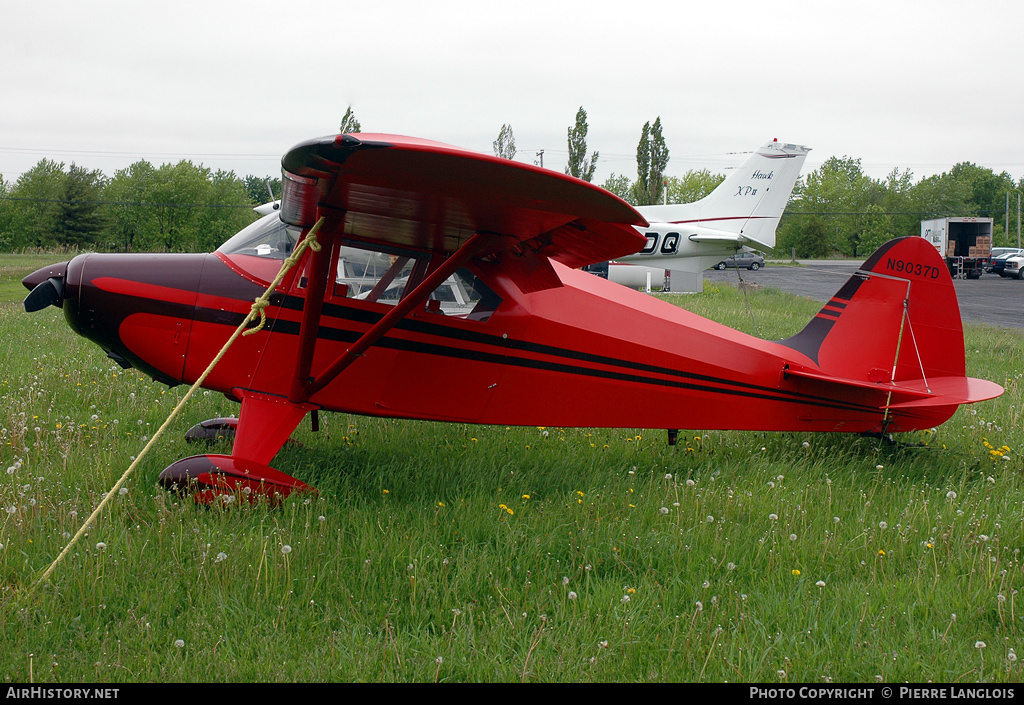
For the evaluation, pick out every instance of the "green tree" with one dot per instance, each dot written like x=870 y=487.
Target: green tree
x=579 y=166
x=80 y=220
x=35 y=205
x=130 y=219
x=621 y=186
x=349 y=123
x=839 y=193
x=693 y=186
x=505 y=145
x=651 y=162
x=262 y=189
x=179 y=207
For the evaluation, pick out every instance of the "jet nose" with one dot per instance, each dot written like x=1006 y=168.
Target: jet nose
x=46 y=287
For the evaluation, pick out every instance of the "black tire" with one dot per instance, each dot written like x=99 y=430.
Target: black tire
x=755 y=266
x=720 y=266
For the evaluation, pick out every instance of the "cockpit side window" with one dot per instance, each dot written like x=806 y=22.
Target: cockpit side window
x=384 y=277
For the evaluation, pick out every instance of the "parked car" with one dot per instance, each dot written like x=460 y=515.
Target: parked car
x=999 y=257
x=1014 y=267
x=744 y=260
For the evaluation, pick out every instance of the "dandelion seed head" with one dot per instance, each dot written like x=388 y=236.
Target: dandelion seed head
x=663 y=510
x=773 y=517
x=220 y=557
x=179 y=643
x=951 y=495
x=980 y=645
x=101 y=546
x=820 y=583
x=286 y=549
x=572 y=595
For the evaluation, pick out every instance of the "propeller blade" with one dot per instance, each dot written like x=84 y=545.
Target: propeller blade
x=45 y=294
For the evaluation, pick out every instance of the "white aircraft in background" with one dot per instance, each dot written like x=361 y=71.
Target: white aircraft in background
x=741 y=213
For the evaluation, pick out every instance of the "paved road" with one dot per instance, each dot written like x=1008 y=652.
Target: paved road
x=992 y=299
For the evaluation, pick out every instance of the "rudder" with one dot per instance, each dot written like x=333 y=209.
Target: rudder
x=896 y=319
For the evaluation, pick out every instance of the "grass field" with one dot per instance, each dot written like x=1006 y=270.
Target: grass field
x=447 y=552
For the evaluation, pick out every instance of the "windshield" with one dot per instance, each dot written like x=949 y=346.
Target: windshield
x=269 y=237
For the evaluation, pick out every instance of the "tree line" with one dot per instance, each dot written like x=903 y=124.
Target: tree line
x=179 y=207
x=834 y=210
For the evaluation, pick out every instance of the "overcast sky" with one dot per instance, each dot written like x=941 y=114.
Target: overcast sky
x=232 y=85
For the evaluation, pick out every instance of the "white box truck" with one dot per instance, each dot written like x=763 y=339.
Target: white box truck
x=965 y=243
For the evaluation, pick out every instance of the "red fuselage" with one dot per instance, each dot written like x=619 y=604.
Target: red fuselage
x=585 y=353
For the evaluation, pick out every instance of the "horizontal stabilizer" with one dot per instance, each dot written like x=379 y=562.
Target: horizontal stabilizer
x=893 y=335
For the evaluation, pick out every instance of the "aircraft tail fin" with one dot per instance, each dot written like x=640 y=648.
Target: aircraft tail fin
x=895 y=326
x=747 y=206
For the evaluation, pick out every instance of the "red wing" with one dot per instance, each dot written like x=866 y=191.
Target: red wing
x=432 y=196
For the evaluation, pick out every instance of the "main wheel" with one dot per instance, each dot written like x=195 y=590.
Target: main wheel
x=720 y=266
x=755 y=266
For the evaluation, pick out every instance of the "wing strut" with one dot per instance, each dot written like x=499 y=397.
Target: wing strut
x=304 y=386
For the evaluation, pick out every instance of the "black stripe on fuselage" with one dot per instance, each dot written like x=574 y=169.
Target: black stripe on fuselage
x=698 y=382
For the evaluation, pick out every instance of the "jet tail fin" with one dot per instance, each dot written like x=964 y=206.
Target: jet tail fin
x=747 y=206
x=895 y=327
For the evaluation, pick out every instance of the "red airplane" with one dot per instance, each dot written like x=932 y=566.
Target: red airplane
x=446 y=287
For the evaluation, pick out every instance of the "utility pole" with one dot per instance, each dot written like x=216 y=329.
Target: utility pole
x=1018 y=220
x=541 y=155
x=1007 y=216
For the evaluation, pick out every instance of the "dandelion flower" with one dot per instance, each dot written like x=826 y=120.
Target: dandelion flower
x=796 y=572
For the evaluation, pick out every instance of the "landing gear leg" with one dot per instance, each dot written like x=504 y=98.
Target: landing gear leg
x=263 y=426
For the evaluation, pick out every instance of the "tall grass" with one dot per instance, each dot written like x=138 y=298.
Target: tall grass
x=451 y=552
